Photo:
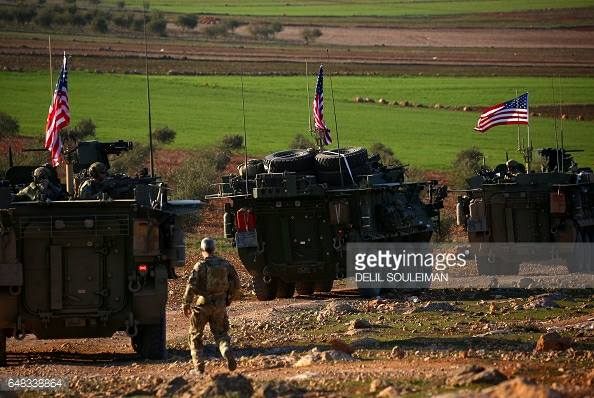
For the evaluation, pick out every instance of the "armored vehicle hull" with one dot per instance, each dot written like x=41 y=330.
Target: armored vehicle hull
x=86 y=269
x=533 y=207
x=89 y=268
x=291 y=228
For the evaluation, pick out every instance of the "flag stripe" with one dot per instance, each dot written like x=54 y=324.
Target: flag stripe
x=58 y=116
x=514 y=111
x=318 y=110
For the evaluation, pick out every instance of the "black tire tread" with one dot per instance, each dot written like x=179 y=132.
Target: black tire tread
x=285 y=289
x=264 y=291
x=151 y=340
x=324 y=286
x=292 y=160
x=355 y=156
x=305 y=288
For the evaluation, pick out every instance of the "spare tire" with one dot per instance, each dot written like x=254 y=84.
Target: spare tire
x=333 y=177
x=295 y=160
x=328 y=160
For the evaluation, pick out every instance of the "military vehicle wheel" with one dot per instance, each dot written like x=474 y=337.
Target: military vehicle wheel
x=305 y=288
x=2 y=348
x=324 y=286
x=151 y=342
x=328 y=161
x=295 y=160
x=484 y=267
x=285 y=289
x=264 y=291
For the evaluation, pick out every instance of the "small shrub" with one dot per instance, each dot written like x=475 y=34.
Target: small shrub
x=9 y=125
x=232 y=24
x=265 y=30
x=138 y=24
x=467 y=163
x=132 y=161
x=158 y=23
x=194 y=177
x=122 y=21
x=25 y=12
x=310 y=35
x=386 y=154
x=100 y=24
x=231 y=142
x=45 y=18
x=120 y=4
x=84 y=129
x=301 y=142
x=213 y=31
x=164 y=135
x=187 y=21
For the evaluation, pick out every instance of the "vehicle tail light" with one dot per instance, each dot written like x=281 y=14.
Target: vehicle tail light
x=245 y=220
x=142 y=268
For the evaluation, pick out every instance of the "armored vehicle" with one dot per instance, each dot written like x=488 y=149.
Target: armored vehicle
x=507 y=204
x=89 y=268
x=291 y=214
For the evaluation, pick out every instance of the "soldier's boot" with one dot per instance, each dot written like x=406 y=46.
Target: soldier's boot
x=231 y=362
x=198 y=369
x=227 y=353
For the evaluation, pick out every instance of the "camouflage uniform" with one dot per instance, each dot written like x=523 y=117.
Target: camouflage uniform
x=41 y=188
x=90 y=189
x=215 y=283
x=93 y=187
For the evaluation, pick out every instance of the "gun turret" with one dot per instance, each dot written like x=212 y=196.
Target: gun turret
x=89 y=152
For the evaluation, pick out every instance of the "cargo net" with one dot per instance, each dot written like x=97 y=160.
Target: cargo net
x=54 y=226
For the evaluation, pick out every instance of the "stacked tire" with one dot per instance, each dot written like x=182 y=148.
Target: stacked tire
x=329 y=167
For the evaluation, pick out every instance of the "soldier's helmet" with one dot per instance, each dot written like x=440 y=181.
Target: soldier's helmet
x=41 y=173
x=208 y=244
x=511 y=164
x=96 y=169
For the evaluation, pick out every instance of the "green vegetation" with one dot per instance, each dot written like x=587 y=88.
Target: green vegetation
x=204 y=109
x=357 y=8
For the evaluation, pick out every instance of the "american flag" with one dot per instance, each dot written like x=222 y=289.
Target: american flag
x=318 y=110
x=514 y=111
x=58 y=116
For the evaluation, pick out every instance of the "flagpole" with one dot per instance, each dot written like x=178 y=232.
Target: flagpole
x=245 y=170
x=49 y=41
x=561 y=130
x=335 y=121
x=519 y=148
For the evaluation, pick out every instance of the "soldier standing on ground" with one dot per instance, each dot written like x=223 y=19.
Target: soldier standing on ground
x=92 y=188
x=214 y=282
x=41 y=188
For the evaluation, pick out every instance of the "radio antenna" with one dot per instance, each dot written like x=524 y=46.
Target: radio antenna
x=561 y=128
x=245 y=170
x=556 y=131
x=335 y=121
x=148 y=92
x=49 y=46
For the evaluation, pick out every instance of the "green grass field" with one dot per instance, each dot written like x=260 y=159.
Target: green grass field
x=345 y=8
x=203 y=109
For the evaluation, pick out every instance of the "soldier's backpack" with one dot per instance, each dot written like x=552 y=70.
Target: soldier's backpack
x=217 y=278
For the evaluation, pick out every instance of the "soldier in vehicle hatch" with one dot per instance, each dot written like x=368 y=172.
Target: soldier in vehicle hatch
x=214 y=283
x=93 y=187
x=41 y=188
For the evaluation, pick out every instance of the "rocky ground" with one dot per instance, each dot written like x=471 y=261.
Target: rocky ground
x=491 y=343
